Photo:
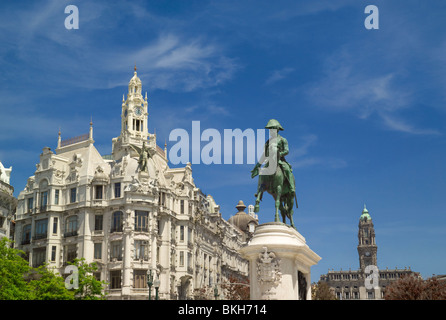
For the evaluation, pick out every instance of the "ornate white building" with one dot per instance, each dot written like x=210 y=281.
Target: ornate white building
x=7 y=203
x=129 y=212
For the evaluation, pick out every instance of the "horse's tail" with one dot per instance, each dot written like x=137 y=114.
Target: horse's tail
x=295 y=200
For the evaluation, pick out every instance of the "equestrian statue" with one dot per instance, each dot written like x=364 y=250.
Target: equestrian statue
x=276 y=176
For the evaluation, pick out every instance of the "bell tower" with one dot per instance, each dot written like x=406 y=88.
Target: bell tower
x=367 y=248
x=134 y=117
x=134 y=122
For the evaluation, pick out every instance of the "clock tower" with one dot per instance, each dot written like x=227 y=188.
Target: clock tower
x=134 y=113
x=367 y=248
x=134 y=122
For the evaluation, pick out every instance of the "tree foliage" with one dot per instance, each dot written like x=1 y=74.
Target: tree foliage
x=19 y=281
x=321 y=291
x=236 y=289
x=89 y=288
x=412 y=288
x=47 y=285
x=13 y=267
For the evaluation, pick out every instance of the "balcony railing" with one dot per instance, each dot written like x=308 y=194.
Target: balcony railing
x=116 y=229
x=40 y=236
x=142 y=229
x=70 y=234
x=73 y=140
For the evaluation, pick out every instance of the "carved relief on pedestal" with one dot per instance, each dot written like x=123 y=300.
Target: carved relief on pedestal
x=268 y=268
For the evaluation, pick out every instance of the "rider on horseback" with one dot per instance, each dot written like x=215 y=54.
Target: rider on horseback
x=282 y=151
x=279 y=179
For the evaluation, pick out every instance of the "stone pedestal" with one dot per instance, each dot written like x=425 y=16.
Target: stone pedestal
x=279 y=263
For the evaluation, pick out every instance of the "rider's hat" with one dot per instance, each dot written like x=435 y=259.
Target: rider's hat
x=273 y=124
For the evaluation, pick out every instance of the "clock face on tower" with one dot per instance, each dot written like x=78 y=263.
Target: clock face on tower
x=138 y=111
x=367 y=254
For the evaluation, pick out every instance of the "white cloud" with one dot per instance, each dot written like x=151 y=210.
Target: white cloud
x=81 y=58
x=299 y=156
x=278 y=75
x=400 y=125
x=174 y=63
x=347 y=86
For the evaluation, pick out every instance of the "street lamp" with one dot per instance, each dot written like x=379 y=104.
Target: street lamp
x=216 y=292
x=150 y=282
x=156 y=283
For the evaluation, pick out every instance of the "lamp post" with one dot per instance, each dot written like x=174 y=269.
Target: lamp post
x=216 y=292
x=150 y=282
x=156 y=283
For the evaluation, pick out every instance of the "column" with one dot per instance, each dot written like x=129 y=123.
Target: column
x=127 y=271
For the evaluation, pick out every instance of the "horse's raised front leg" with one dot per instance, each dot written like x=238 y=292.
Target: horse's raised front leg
x=258 y=196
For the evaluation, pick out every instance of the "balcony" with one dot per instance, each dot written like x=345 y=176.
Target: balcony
x=141 y=229
x=116 y=229
x=40 y=236
x=70 y=234
x=116 y=259
x=99 y=203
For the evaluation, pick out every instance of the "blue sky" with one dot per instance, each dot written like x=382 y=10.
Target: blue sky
x=363 y=110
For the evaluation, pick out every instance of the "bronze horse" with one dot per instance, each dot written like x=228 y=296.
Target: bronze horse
x=278 y=187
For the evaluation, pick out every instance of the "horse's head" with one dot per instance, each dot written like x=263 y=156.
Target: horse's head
x=255 y=171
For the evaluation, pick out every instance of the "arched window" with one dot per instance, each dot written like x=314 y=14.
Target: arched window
x=117 y=221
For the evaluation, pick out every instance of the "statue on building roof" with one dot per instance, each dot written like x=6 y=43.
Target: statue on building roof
x=144 y=156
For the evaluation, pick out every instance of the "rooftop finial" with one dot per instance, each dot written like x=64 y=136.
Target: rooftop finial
x=90 y=133
x=135 y=67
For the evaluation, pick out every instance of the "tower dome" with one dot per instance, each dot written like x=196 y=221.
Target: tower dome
x=365 y=215
x=241 y=219
x=135 y=84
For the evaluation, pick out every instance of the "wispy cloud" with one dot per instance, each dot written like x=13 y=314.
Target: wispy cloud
x=400 y=125
x=278 y=75
x=303 y=8
x=174 y=61
x=347 y=87
x=301 y=157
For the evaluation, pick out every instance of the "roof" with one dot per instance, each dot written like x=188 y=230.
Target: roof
x=365 y=215
x=241 y=219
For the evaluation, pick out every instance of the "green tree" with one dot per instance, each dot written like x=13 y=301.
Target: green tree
x=13 y=267
x=47 y=285
x=18 y=281
x=89 y=288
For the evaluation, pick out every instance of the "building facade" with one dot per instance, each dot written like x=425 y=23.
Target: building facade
x=129 y=212
x=8 y=203
x=361 y=283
